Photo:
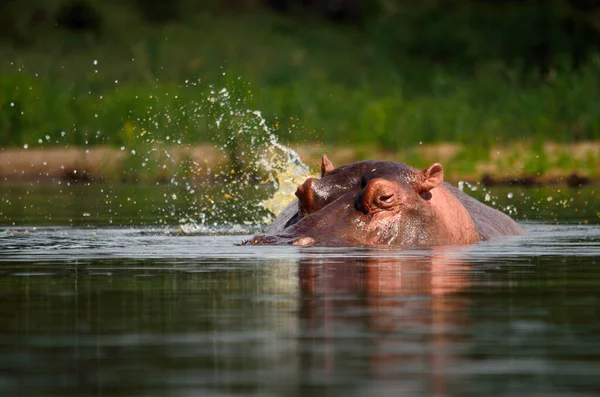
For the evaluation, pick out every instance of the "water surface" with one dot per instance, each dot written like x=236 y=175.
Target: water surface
x=99 y=305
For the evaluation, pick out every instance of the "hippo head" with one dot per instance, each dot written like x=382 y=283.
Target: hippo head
x=364 y=203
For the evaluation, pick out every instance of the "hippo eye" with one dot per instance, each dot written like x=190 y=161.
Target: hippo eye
x=425 y=195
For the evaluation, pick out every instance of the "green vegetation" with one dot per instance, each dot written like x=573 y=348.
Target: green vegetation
x=399 y=77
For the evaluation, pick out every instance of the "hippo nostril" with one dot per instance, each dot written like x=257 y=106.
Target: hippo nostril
x=305 y=195
x=386 y=198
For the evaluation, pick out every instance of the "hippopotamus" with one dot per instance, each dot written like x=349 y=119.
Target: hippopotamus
x=371 y=203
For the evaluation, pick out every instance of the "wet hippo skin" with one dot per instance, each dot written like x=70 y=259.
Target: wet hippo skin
x=384 y=203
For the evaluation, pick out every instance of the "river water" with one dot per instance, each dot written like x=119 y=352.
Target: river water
x=113 y=300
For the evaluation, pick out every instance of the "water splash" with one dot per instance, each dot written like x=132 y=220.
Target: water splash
x=486 y=195
x=288 y=172
x=257 y=181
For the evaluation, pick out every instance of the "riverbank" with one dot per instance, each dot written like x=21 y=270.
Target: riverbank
x=522 y=163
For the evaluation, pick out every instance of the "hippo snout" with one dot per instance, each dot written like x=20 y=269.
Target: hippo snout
x=305 y=242
x=271 y=240
x=264 y=240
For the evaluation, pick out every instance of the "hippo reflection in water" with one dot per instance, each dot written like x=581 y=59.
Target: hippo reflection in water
x=384 y=203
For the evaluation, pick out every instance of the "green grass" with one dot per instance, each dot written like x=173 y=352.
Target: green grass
x=311 y=80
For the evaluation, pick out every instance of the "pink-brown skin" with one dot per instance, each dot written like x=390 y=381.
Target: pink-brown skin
x=384 y=203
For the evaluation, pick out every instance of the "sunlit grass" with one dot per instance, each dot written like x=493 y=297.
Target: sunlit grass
x=313 y=83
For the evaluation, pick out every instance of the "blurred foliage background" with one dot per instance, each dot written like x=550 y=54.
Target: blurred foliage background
x=389 y=73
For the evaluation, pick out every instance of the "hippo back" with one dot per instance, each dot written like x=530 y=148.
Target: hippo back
x=488 y=221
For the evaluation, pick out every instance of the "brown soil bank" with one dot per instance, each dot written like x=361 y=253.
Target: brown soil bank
x=521 y=163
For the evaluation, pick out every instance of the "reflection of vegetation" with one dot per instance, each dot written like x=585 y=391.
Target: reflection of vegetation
x=82 y=204
x=160 y=205
x=545 y=204
x=471 y=77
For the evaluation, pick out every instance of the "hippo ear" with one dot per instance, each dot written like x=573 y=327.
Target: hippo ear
x=326 y=166
x=430 y=178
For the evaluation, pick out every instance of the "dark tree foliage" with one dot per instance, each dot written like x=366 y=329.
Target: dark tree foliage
x=334 y=10
x=79 y=15
x=159 y=11
x=462 y=34
x=586 y=5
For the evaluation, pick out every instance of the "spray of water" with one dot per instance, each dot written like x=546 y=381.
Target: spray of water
x=254 y=182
